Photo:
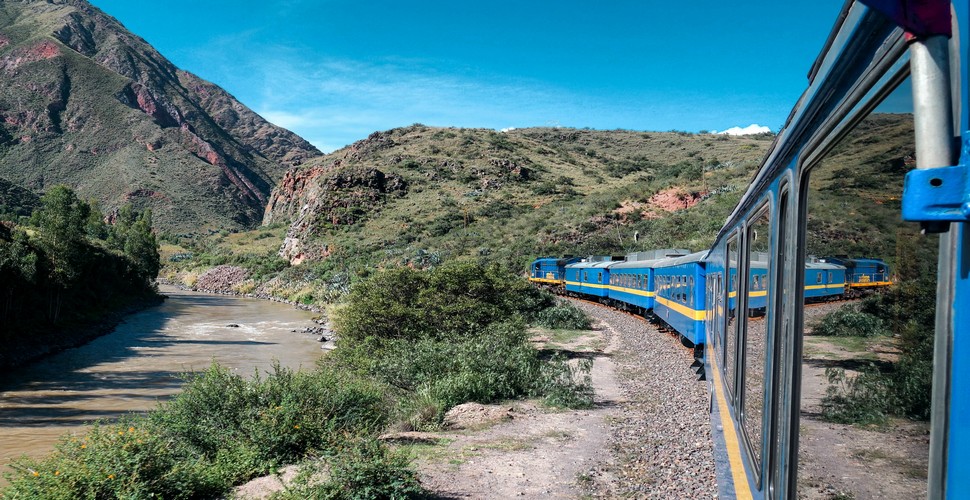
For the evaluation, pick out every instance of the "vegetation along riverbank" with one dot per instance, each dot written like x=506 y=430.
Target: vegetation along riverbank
x=412 y=345
x=68 y=276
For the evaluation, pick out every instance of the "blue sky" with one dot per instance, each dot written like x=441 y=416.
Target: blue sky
x=334 y=71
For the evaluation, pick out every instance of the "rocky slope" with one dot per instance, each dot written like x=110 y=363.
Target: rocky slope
x=419 y=193
x=86 y=103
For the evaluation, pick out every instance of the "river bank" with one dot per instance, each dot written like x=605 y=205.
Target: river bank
x=141 y=362
x=40 y=343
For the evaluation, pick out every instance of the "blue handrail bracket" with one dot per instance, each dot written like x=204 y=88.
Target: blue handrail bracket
x=939 y=194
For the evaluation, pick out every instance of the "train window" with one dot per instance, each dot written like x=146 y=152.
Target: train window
x=731 y=340
x=585 y=275
x=860 y=169
x=755 y=345
x=818 y=277
x=831 y=279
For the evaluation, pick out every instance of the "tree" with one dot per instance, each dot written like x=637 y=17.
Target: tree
x=132 y=234
x=18 y=267
x=94 y=226
x=61 y=220
x=141 y=247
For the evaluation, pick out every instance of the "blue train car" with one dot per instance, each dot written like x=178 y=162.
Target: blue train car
x=823 y=281
x=631 y=281
x=631 y=285
x=550 y=271
x=589 y=277
x=680 y=299
x=882 y=57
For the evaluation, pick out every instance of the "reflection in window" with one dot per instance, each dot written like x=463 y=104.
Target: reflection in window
x=854 y=194
x=731 y=343
x=755 y=343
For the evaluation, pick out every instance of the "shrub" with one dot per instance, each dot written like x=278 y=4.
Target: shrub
x=270 y=421
x=849 y=321
x=130 y=459
x=457 y=299
x=862 y=399
x=563 y=316
x=364 y=470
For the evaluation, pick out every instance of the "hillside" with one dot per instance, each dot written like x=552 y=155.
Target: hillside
x=86 y=103
x=417 y=193
x=420 y=195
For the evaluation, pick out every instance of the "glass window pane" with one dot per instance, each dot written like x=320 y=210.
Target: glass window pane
x=731 y=342
x=756 y=339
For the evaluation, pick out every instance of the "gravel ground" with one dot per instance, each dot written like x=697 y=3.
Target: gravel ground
x=660 y=439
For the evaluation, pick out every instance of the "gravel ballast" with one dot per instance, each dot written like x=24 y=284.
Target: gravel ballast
x=660 y=439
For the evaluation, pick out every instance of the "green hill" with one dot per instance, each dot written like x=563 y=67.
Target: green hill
x=84 y=102
x=419 y=191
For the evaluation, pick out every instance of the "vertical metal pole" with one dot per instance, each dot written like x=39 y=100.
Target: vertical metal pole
x=935 y=147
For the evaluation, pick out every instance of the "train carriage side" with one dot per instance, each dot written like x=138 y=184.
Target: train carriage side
x=680 y=300
x=631 y=285
x=588 y=279
x=754 y=364
x=823 y=281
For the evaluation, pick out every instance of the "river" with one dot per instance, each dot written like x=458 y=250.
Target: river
x=138 y=364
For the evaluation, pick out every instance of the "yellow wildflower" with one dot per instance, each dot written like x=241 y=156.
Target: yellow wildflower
x=84 y=445
x=111 y=476
x=35 y=473
x=297 y=426
x=57 y=473
x=131 y=429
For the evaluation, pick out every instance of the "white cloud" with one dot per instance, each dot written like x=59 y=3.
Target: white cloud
x=752 y=129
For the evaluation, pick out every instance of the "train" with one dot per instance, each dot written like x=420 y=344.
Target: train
x=670 y=285
x=909 y=59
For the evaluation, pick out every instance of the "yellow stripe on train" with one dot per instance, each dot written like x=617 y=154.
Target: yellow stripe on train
x=632 y=291
x=695 y=314
x=545 y=280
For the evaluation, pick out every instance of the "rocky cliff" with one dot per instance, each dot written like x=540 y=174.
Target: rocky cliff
x=86 y=103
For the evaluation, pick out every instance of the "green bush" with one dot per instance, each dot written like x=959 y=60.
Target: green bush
x=433 y=375
x=849 y=321
x=451 y=335
x=129 y=459
x=364 y=470
x=862 y=399
x=269 y=421
x=455 y=300
x=563 y=316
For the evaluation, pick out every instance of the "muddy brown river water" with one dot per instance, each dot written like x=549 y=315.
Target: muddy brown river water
x=138 y=364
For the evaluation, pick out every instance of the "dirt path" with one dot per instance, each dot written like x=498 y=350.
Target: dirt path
x=531 y=452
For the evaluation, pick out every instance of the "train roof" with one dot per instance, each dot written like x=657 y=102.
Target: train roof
x=657 y=254
x=852 y=262
x=676 y=261
x=634 y=264
x=646 y=259
x=823 y=265
x=602 y=264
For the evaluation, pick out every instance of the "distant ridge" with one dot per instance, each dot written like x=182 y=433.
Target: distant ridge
x=86 y=103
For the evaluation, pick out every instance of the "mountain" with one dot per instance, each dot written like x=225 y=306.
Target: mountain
x=86 y=103
x=416 y=193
